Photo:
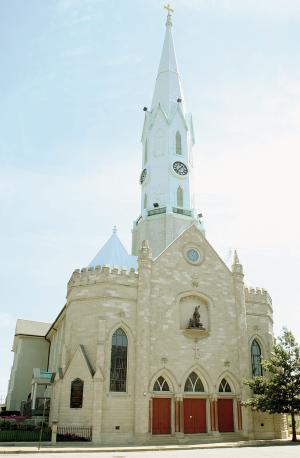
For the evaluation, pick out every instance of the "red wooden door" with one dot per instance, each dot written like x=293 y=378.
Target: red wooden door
x=194 y=416
x=161 y=416
x=225 y=415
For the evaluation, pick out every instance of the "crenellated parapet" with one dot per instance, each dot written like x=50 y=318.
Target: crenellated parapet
x=101 y=274
x=258 y=301
x=257 y=295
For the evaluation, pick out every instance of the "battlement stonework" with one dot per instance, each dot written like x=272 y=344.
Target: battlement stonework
x=257 y=295
x=101 y=274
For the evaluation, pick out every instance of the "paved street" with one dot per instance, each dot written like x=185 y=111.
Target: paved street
x=284 y=451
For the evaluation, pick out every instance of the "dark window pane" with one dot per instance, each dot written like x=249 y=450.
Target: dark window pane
x=188 y=385
x=256 y=359
x=224 y=386
x=161 y=385
x=76 y=394
x=118 y=366
x=193 y=383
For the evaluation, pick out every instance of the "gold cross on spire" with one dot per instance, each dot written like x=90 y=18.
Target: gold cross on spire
x=168 y=8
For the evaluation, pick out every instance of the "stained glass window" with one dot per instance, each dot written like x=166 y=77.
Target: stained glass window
x=193 y=383
x=118 y=364
x=224 y=386
x=161 y=385
x=256 y=359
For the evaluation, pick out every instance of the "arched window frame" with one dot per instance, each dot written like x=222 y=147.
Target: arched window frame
x=256 y=356
x=195 y=383
x=178 y=143
x=76 y=394
x=161 y=385
x=179 y=197
x=225 y=386
x=118 y=361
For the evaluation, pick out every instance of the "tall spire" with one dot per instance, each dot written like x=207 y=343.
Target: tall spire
x=168 y=87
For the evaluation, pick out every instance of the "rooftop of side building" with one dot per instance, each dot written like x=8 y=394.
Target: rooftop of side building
x=31 y=328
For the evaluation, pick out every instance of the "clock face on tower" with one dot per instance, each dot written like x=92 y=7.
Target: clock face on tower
x=180 y=168
x=143 y=176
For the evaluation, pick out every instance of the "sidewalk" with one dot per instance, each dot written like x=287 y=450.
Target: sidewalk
x=86 y=448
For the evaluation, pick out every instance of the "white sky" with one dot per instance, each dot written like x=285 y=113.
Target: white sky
x=75 y=76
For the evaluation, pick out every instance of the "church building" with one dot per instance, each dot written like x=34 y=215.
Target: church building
x=157 y=344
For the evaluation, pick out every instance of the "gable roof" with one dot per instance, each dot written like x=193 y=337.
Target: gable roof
x=194 y=226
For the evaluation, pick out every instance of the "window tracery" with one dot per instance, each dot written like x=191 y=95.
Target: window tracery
x=224 y=386
x=193 y=383
x=161 y=385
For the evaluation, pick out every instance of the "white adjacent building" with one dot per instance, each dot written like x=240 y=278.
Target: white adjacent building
x=31 y=350
x=157 y=343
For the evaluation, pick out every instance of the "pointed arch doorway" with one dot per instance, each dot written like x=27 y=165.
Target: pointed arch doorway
x=161 y=408
x=194 y=408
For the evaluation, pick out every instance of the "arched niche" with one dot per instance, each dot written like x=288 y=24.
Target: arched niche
x=187 y=305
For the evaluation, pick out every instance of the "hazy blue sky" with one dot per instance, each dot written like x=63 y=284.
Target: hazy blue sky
x=74 y=77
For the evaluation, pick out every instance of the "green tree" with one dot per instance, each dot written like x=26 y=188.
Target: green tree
x=278 y=389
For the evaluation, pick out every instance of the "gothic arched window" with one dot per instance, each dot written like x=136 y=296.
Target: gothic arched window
x=256 y=359
x=146 y=152
x=161 y=385
x=193 y=383
x=179 y=197
x=118 y=363
x=145 y=201
x=178 y=143
x=76 y=396
x=224 y=386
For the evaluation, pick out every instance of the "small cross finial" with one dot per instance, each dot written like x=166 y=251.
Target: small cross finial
x=115 y=229
x=169 y=17
x=168 y=8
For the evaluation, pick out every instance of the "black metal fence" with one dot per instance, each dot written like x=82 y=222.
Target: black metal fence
x=74 y=433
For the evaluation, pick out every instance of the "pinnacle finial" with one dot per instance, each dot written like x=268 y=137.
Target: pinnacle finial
x=115 y=230
x=235 y=258
x=169 y=17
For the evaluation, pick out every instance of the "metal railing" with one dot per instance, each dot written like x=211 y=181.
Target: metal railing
x=74 y=433
x=182 y=211
x=157 y=211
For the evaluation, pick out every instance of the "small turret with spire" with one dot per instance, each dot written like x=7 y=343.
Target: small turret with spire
x=237 y=268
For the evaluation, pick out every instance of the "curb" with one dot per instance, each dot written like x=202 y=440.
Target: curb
x=32 y=448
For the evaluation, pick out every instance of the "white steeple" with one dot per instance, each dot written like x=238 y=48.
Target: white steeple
x=167 y=164
x=167 y=87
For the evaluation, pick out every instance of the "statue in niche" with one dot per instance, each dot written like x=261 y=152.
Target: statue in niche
x=194 y=322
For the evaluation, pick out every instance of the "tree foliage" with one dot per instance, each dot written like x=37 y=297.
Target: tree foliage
x=278 y=389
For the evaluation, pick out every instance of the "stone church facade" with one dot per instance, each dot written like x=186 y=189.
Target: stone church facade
x=160 y=345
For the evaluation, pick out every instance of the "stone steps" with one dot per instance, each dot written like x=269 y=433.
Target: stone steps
x=164 y=439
